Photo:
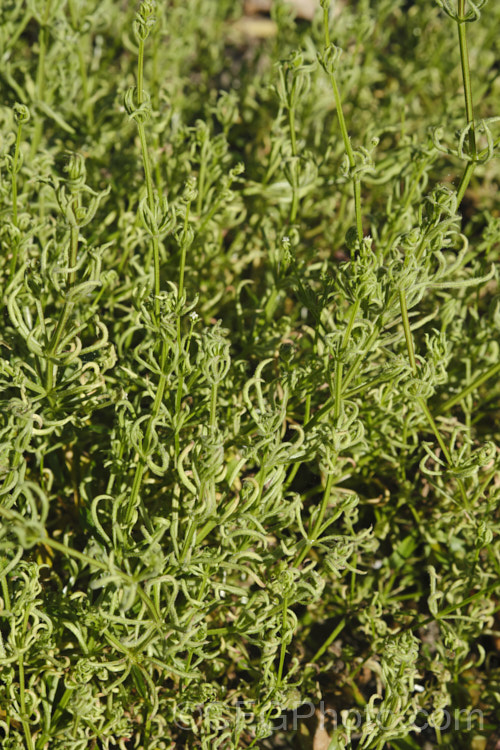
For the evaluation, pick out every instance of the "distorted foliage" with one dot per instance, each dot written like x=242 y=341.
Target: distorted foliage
x=249 y=363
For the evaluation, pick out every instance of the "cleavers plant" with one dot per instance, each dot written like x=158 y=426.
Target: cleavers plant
x=249 y=362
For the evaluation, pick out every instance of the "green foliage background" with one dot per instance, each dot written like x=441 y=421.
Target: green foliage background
x=247 y=453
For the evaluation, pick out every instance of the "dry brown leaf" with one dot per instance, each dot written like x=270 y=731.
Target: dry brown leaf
x=321 y=739
x=252 y=7
x=304 y=9
x=313 y=734
x=256 y=28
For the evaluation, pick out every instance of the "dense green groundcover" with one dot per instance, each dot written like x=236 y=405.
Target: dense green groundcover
x=249 y=367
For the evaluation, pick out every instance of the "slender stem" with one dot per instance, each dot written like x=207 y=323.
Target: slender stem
x=40 y=77
x=190 y=651
x=148 y=177
x=352 y=320
x=295 y=192
x=140 y=73
x=319 y=653
x=22 y=688
x=5 y=592
x=413 y=364
x=477 y=383
x=469 y=170
x=357 y=207
x=293 y=473
x=15 y=161
x=213 y=407
x=342 y=123
x=201 y=180
x=151 y=204
x=19 y=28
x=291 y=121
x=146 y=165
x=182 y=266
x=294 y=166
x=464 y=59
x=371 y=340
x=464 y=182
x=81 y=62
x=68 y=304
x=421 y=401
x=73 y=245
x=407 y=330
x=319 y=520
x=192 y=526
x=343 y=129
x=272 y=302
x=340 y=365
x=57 y=713
x=146 y=444
x=350 y=155
x=180 y=291
x=469 y=106
x=307 y=416
x=326 y=25
x=359 y=359
x=435 y=430
x=283 y=644
x=136 y=486
x=338 y=389
x=403 y=208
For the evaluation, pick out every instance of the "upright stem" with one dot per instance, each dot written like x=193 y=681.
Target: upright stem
x=340 y=367
x=333 y=635
x=182 y=266
x=22 y=695
x=491 y=372
x=40 y=77
x=81 y=62
x=413 y=364
x=68 y=304
x=407 y=330
x=201 y=178
x=213 y=407
x=295 y=166
x=319 y=520
x=283 y=644
x=15 y=161
x=420 y=400
x=146 y=444
x=469 y=106
x=148 y=176
x=140 y=73
x=345 y=135
x=464 y=182
x=464 y=59
x=180 y=291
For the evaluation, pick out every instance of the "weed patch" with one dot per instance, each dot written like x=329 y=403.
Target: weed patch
x=249 y=366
